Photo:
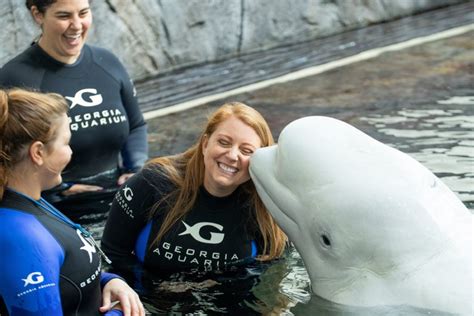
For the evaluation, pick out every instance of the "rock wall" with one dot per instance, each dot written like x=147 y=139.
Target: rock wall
x=154 y=36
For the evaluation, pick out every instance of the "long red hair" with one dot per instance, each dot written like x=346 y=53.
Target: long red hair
x=186 y=171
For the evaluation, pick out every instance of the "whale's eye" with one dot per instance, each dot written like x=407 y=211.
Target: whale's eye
x=325 y=240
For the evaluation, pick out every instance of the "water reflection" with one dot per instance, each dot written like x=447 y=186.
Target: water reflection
x=440 y=136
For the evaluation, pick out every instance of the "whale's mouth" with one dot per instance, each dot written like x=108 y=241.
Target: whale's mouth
x=266 y=196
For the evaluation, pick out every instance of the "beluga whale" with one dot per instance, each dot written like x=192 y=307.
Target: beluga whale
x=373 y=226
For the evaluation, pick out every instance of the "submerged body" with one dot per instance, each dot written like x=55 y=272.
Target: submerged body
x=373 y=226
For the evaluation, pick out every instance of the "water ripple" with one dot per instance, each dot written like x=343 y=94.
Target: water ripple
x=440 y=136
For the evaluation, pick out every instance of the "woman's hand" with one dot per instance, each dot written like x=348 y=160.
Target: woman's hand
x=124 y=177
x=129 y=302
x=81 y=188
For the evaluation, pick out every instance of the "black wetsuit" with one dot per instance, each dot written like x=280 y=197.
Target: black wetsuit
x=215 y=234
x=105 y=119
x=46 y=266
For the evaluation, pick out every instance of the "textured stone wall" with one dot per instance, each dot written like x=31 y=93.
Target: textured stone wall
x=152 y=36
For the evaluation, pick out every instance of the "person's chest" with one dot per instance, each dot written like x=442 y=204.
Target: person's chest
x=96 y=113
x=93 y=96
x=209 y=239
x=79 y=274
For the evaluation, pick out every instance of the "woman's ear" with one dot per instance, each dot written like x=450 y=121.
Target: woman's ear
x=205 y=141
x=37 y=15
x=37 y=153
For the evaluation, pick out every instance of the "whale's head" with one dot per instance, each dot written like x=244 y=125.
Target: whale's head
x=358 y=211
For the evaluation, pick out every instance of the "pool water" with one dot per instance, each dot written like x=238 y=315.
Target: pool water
x=439 y=135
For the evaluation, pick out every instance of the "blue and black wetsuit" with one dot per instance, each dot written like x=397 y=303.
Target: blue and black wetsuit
x=46 y=266
x=218 y=232
x=104 y=116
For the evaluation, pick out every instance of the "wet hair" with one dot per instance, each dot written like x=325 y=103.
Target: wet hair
x=42 y=5
x=25 y=117
x=186 y=171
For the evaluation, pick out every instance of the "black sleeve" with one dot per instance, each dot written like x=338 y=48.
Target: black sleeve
x=126 y=219
x=128 y=216
x=135 y=150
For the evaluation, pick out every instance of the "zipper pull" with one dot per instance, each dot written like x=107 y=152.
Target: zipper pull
x=92 y=240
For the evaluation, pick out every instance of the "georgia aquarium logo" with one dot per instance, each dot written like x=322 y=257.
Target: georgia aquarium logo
x=78 y=99
x=216 y=238
x=33 y=278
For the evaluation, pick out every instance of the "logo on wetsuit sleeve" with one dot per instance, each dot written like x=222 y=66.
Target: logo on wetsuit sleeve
x=33 y=278
x=78 y=99
x=216 y=238
x=122 y=198
x=134 y=88
x=127 y=193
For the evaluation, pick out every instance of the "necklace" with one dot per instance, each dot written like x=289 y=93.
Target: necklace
x=54 y=212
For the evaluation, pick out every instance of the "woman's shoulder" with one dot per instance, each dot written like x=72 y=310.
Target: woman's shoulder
x=23 y=69
x=25 y=57
x=152 y=176
x=100 y=51
x=103 y=56
x=25 y=226
x=157 y=176
x=107 y=61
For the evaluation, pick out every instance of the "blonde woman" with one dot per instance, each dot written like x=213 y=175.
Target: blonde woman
x=198 y=209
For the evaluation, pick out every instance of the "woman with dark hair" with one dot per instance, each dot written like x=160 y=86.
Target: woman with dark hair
x=198 y=209
x=49 y=265
x=108 y=130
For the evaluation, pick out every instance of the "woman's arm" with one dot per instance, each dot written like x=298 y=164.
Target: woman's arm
x=127 y=218
x=135 y=151
x=30 y=266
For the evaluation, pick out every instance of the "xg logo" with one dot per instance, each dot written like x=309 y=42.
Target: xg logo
x=95 y=99
x=127 y=193
x=216 y=238
x=33 y=278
